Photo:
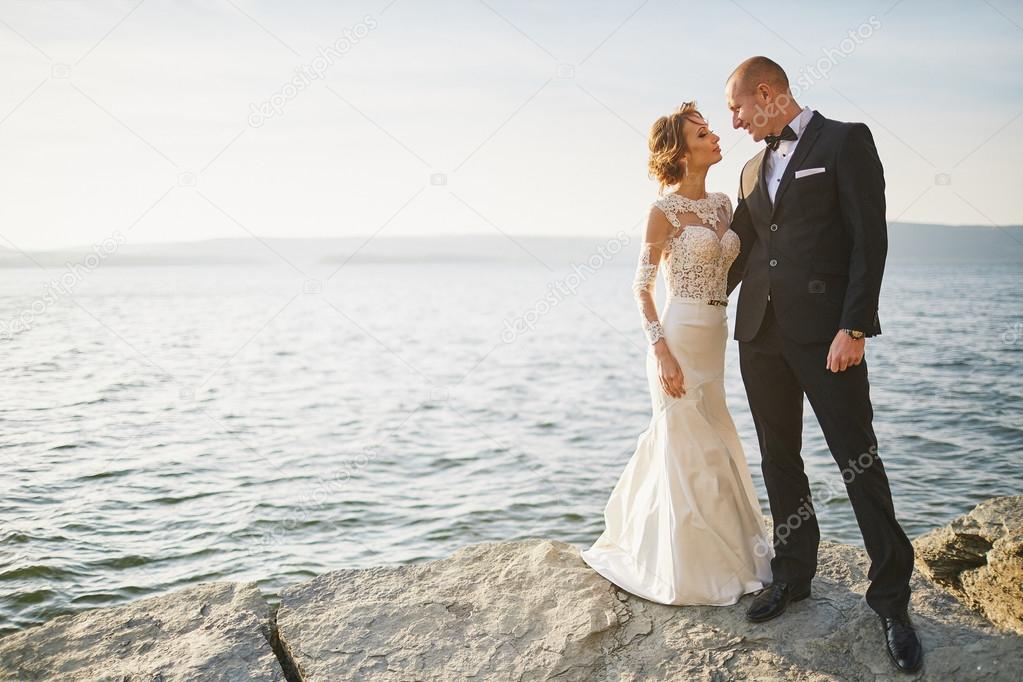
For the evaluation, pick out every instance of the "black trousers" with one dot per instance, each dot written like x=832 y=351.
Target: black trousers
x=777 y=373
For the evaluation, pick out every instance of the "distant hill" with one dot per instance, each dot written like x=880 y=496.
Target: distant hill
x=908 y=242
x=969 y=243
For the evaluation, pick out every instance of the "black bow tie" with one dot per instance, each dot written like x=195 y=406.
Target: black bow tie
x=774 y=140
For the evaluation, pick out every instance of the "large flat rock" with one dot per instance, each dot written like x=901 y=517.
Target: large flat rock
x=213 y=632
x=533 y=610
x=978 y=558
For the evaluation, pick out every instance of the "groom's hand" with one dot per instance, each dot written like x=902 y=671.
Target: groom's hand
x=845 y=352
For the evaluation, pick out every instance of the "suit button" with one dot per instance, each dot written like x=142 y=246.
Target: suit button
x=774 y=228
x=774 y=261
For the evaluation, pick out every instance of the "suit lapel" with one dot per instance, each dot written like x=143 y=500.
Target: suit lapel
x=764 y=197
x=759 y=199
x=806 y=141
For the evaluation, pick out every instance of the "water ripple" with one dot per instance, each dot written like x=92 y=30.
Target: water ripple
x=224 y=445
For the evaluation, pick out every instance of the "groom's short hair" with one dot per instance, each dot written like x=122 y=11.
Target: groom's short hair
x=759 y=70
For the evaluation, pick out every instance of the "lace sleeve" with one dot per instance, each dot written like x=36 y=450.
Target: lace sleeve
x=645 y=281
x=728 y=210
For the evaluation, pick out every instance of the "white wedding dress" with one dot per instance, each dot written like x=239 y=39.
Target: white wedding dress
x=683 y=524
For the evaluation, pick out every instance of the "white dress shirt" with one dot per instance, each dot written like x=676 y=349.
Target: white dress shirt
x=778 y=159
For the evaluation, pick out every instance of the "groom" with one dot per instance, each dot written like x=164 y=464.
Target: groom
x=811 y=217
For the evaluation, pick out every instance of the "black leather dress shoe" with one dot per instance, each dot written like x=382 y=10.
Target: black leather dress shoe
x=773 y=599
x=901 y=642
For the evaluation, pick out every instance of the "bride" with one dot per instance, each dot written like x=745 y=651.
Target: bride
x=683 y=524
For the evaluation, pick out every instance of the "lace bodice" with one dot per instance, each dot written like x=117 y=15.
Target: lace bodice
x=696 y=261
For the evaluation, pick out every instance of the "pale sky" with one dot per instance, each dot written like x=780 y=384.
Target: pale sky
x=138 y=116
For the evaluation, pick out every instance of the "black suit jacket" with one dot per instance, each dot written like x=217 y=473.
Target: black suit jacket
x=820 y=249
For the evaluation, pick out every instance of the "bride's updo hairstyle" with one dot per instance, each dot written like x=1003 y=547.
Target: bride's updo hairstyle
x=667 y=146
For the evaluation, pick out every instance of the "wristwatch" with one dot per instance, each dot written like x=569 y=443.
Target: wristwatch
x=854 y=333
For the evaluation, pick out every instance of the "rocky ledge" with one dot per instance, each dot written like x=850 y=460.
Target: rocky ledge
x=212 y=631
x=979 y=559
x=533 y=610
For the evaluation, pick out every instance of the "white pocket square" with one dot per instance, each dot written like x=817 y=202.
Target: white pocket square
x=808 y=171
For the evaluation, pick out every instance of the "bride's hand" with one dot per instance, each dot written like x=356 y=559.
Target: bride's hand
x=672 y=380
